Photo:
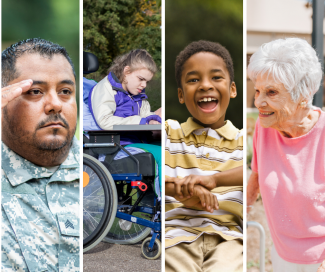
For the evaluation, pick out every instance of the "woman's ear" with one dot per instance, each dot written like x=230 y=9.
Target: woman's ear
x=180 y=96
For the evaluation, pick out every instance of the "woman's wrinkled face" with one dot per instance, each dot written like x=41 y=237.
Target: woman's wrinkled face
x=274 y=103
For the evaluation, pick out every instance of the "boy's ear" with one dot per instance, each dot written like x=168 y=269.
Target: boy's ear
x=180 y=96
x=233 y=90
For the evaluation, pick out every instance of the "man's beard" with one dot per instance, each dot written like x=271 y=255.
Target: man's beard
x=20 y=139
x=55 y=144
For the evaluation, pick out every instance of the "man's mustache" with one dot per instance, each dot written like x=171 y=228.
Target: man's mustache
x=53 y=118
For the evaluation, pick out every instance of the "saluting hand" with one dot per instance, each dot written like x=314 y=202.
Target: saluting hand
x=11 y=92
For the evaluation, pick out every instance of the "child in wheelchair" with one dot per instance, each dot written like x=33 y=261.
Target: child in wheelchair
x=120 y=99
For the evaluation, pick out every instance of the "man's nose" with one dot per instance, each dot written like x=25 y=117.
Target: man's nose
x=53 y=103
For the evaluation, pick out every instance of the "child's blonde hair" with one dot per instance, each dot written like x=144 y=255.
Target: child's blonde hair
x=135 y=59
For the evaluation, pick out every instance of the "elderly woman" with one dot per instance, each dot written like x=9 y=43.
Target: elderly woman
x=289 y=152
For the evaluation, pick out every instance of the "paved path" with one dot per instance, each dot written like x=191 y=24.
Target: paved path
x=118 y=258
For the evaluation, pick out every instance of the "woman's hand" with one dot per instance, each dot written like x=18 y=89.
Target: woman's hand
x=202 y=199
x=11 y=92
x=253 y=189
x=322 y=267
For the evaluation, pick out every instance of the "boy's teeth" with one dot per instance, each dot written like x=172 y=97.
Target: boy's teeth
x=207 y=99
x=266 y=113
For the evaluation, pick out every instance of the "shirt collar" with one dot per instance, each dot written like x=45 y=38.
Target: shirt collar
x=227 y=131
x=117 y=85
x=18 y=170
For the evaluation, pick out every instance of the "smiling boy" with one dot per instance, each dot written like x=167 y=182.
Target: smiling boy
x=204 y=173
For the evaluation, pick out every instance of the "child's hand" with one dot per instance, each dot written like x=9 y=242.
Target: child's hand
x=184 y=188
x=158 y=112
x=153 y=122
x=202 y=199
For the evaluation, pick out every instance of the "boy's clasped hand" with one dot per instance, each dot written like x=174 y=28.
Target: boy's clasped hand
x=193 y=192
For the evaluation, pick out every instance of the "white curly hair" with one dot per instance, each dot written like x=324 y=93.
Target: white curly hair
x=292 y=62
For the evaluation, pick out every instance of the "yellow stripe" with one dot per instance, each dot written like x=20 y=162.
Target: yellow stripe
x=190 y=161
x=176 y=136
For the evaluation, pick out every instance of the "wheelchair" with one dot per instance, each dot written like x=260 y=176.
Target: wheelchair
x=121 y=194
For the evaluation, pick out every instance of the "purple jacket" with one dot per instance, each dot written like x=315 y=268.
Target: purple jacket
x=126 y=104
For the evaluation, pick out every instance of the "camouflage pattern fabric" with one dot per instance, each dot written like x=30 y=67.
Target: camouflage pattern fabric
x=40 y=214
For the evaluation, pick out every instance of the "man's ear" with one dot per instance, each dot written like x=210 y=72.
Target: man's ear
x=233 y=90
x=180 y=96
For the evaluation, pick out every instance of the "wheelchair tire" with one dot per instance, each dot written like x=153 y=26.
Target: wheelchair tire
x=156 y=251
x=136 y=233
x=99 y=202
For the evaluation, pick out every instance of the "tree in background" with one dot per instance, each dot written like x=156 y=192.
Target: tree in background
x=53 y=20
x=213 y=20
x=114 y=27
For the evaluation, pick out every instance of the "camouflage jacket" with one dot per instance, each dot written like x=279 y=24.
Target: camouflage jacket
x=40 y=214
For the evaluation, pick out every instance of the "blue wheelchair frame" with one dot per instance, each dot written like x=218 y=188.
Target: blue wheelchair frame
x=129 y=178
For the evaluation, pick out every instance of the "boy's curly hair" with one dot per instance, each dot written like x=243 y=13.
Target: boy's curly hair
x=202 y=46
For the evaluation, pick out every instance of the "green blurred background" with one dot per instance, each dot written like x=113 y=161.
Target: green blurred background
x=213 y=20
x=53 y=20
x=114 y=27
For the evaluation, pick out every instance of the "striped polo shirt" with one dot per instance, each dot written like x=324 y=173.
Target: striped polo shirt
x=193 y=149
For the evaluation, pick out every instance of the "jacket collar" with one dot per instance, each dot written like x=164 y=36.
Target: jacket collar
x=18 y=170
x=227 y=131
x=117 y=85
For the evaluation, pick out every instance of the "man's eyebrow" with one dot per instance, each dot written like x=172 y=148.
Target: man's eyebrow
x=65 y=81
x=39 y=82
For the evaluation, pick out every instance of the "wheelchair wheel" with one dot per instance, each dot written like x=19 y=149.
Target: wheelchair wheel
x=156 y=250
x=99 y=202
x=125 y=232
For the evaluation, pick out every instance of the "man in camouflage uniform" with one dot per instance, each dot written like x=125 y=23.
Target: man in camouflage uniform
x=40 y=159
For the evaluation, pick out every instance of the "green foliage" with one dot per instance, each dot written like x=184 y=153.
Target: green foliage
x=114 y=27
x=53 y=20
x=213 y=20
